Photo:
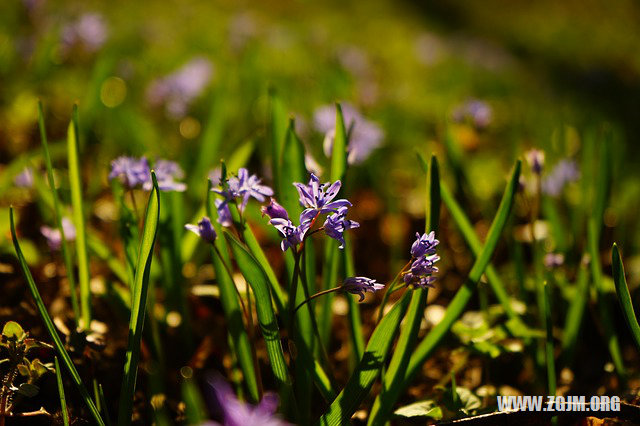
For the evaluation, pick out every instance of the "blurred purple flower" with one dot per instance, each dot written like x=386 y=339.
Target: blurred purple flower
x=553 y=260
x=89 y=30
x=318 y=197
x=214 y=176
x=238 y=413
x=336 y=224
x=360 y=285
x=178 y=90
x=535 y=158
x=166 y=171
x=293 y=235
x=478 y=112
x=133 y=172
x=274 y=210
x=245 y=186
x=204 y=229
x=424 y=244
x=364 y=135
x=224 y=214
x=54 y=237
x=564 y=172
x=24 y=179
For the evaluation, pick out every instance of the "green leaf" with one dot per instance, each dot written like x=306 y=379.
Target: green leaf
x=428 y=409
x=257 y=279
x=28 y=389
x=360 y=382
x=622 y=290
x=277 y=128
x=13 y=331
x=75 y=182
x=394 y=377
x=58 y=215
x=462 y=297
x=63 y=399
x=549 y=352
x=138 y=304
x=292 y=169
x=66 y=359
x=339 y=149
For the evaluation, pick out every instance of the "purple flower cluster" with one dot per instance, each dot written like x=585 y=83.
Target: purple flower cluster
x=364 y=135
x=204 y=229
x=178 y=90
x=24 y=179
x=89 y=31
x=54 y=237
x=475 y=111
x=238 y=413
x=243 y=186
x=336 y=224
x=566 y=171
x=423 y=266
x=361 y=285
x=134 y=172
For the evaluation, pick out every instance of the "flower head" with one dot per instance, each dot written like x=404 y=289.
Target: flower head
x=237 y=413
x=364 y=135
x=293 y=235
x=553 y=260
x=319 y=197
x=360 y=285
x=564 y=172
x=535 y=158
x=166 y=171
x=89 y=30
x=274 y=210
x=477 y=112
x=131 y=171
x=245 y=186
x=224 y=214
x=204 y=229
x=54 y=237
x=24 y=179
x=336 y=224
x=425 y=244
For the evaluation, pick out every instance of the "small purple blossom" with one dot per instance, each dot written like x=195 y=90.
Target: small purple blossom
x=54 y=237
x=224 y=214
x=166 y=171
x=204 y=229
x=553 y=260
x=245 y=186
x=424 y=265
x=364 y=135
x=478 y=112
x=89 y=30
x=535 y=158
x=419 y=281
x=293 y=235
x=131 y=171
x=237 y=413
x=360 y=285
x=336 y=224
x=319 y=198
x=178 y=90
x=424 y=244
x=274 y=210
x=24 y=179
x=564 y=172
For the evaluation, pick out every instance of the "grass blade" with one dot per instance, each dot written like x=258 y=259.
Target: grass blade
x=462 y=297
x=277 y=128
x=360 y=382
x=622 y=290
x=63 y=399
x=573 y=321
x=138 y=305
x=549 y=353
x=75 y=182
x=58 y=216
x=48 y=322
x=393 y=378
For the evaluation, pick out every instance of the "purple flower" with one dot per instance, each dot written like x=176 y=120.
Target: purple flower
x=238 y=413
x=214 y=176
x=336 y=224
x=478 y=112
x=419 y=281
x=364 y=135
x=24 y=179
x=319 y=198
x=535 y=158
x=224 y=214
x=89 y=30
x=553 y=260
x=245 y=186
x=564 y=172
x=274 y=210
x=166 y=171
x=424 y=265
x=360 y=285
x=178 y=90
x=425 y=244
x=54 y=237
x=133 y=172
x=293 y=235
x=204 y=229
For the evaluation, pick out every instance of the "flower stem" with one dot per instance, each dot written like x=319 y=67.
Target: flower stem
x=321 y=293
x=390 y=289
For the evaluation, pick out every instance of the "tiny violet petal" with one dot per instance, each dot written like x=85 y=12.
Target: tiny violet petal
x=204 y=229
x=360 y=285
